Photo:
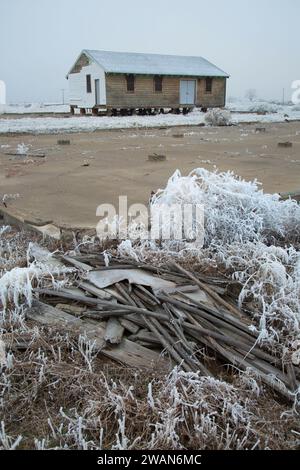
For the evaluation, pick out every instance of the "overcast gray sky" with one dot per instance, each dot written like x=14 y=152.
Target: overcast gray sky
x=255 y=41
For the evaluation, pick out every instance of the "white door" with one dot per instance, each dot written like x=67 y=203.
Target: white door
x=97 y=91
x=187 y=91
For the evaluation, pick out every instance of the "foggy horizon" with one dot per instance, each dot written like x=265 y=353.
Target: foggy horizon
x=255 y=42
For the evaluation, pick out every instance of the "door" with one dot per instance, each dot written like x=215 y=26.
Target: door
x=187 y=91
x=97 y=91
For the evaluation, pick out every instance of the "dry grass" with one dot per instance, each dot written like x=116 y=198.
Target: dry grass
x=57 y=392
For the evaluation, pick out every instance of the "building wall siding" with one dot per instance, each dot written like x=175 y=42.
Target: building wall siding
x=77 y=86
x=214 y=99
x=145 y=96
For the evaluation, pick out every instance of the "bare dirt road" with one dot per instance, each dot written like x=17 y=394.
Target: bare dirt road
x=59 y=188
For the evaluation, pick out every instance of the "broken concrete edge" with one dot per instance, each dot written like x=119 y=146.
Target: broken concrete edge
x=46 y=228
x=16 y=218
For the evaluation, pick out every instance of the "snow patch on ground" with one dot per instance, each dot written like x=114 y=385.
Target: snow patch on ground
x=53 y=125
x=49 y=125
x=271 y=107
x=34 y=108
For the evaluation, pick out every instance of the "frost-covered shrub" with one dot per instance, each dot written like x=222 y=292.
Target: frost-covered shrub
x=235 y=210
x=264 y=108
x=270 y=280
x=203 y=405
x=13 y=247
x=16 y=283
x=176 y=411
x=218 y=117
x=252 y=236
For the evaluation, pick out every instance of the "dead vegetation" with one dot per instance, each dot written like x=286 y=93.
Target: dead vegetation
x=56 y=393
x=58 y=390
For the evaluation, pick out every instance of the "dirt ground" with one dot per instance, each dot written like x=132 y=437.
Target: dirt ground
x=61 y=189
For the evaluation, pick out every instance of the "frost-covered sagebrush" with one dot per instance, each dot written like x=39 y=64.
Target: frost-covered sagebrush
x=16 y=284
x=235 y=210
x=264 y=108
x=253 y=235
x=218 y=117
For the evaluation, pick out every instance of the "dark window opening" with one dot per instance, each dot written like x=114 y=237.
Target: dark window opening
x=158 y=83
x=130 y=82
x=88 y=84
x=208 y=85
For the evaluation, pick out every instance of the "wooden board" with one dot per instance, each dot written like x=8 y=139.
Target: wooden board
x=127 y=352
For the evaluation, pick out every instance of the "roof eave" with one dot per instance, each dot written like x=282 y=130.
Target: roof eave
x=166 y=74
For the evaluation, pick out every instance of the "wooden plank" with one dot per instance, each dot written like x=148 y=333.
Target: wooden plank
x=94 y=290
x=129 y=325
x=211 y=292
x=93 y=301
x=127 y=352
x=24 y=155
x=77 y=264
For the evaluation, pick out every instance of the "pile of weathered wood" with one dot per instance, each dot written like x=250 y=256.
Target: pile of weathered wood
x=145 y=316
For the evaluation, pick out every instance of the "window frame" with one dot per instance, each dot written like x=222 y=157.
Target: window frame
x=127 y=78
x=160 y=77
x=88 y=83
x=209 y=85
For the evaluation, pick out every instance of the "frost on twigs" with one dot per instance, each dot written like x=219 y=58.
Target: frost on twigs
x=235 y=210
x=251 y=236
x=270 y=288
x=111 y=407
x=264 y=108
x=203 y=405
x=16 y=285
x=218 y=117
x=6 y=441
x=13 y=248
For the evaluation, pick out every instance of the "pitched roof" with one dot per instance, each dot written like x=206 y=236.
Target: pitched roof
x=154 y=64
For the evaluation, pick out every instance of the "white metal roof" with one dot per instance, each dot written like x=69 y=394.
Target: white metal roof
x=154 y=64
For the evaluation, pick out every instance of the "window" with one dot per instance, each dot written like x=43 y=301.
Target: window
x=130 y=83
x=88 y=84
x=208 y=85
x=158 y=83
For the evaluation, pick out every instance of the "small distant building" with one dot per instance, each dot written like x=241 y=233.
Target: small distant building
x=131 y=82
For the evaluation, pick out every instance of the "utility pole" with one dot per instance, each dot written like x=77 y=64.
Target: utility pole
x=283 y=96
x=63 y=95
